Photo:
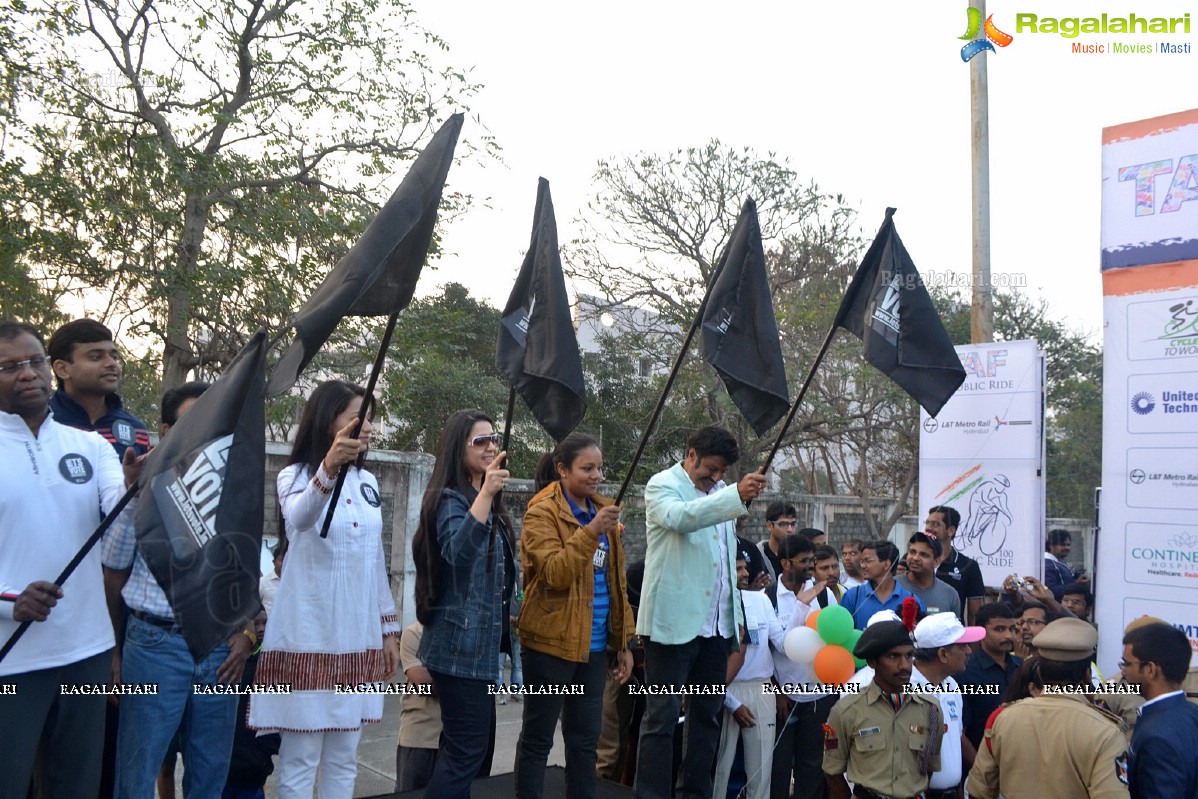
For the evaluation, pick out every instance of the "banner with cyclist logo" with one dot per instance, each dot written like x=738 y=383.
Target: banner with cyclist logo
x=984 y=455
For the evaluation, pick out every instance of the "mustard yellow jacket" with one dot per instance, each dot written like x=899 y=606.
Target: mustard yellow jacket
x=559 y=583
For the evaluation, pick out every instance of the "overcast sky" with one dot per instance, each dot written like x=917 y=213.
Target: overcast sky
x=869 y=99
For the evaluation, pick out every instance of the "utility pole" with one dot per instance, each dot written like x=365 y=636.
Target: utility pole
x=982 y=312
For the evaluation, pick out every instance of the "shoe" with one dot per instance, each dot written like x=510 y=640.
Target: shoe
x=501 y=699
x=517 y=698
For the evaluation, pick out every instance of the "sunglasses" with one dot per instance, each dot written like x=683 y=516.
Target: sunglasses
x=484 y=440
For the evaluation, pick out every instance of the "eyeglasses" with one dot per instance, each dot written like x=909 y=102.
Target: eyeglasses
x=801 y=561
x=870 y=560
x=34 y=363
x=781 y=523
x=484 y=440
x=1127 y=664
x=1033 y=622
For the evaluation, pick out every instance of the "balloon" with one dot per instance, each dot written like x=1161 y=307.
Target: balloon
x=834 y=665
x=813 y=617
x=835 y=625
x=851 y=644
x=801 y=644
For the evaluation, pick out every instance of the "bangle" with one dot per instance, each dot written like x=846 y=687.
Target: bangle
x=250 y=635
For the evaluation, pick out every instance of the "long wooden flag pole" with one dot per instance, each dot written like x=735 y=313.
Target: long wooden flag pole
x=379 y=359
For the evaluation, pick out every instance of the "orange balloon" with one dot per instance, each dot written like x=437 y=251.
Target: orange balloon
x=811 y=620
x=834 y=665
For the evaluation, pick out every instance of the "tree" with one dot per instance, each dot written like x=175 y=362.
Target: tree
x=658 y=224
x=202 y=165
x=442 y=359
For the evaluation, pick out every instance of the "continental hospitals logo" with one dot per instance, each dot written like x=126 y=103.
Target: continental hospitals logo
x=981 y=37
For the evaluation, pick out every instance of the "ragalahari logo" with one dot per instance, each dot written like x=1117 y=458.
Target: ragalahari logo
x=981 y=37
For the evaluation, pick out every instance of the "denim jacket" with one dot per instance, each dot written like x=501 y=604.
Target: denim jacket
x=463 y=636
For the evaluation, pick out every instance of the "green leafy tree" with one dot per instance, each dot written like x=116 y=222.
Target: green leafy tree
x=202 y=166
x=442 y=359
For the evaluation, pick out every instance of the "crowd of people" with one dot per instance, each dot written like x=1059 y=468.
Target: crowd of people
x=670 y=674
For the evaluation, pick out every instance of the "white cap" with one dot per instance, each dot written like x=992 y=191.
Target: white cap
x=882 y=615
x=945 y=629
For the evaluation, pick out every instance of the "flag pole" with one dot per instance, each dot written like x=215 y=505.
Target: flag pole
x=507 y=421
x=75 y=561
x=370 y=384
x=819 y=357
x=794 y=407
x=661 y=401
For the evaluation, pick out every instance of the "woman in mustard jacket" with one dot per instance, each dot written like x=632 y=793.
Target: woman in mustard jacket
x=575 y=620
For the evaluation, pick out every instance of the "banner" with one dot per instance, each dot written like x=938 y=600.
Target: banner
x=1147 y=547
x=983 y=454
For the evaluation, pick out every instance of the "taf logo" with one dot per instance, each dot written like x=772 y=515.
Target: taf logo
x=981 y=37
x=1143 y=403
x=1182 y=188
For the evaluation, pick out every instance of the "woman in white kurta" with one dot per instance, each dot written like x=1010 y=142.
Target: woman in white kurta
x=333 y=622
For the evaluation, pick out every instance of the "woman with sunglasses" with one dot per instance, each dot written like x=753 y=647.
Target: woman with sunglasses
x=333 y=620
x=465 y=574
x=576 y=620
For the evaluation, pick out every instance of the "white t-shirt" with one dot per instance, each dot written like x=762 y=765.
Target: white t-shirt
x=54 y=487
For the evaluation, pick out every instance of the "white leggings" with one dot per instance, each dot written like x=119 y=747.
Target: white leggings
x=335 y=753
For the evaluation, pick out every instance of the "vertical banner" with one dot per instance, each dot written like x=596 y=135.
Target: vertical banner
x=1147 y=551
x=983 y=454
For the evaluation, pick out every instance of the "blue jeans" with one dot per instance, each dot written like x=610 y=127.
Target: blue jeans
x=205 y=722
x=467 y=732
x=517 y=672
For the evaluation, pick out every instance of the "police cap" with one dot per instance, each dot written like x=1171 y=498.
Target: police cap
x=1066 y=640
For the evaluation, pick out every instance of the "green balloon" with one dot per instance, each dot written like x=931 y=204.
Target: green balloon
x=835 y=625
x=851 y=644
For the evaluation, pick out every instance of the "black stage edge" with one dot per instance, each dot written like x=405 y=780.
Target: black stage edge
x=502 y=786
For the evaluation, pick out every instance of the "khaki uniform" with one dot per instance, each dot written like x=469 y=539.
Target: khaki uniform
x=1053 y=745
x=879 y=749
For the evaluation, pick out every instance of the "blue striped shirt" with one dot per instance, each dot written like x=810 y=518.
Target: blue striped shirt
x=602 y=602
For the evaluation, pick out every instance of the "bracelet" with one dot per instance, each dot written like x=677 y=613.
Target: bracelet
x=250 y=635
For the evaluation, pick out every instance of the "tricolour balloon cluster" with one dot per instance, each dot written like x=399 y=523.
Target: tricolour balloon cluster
x=826 y=643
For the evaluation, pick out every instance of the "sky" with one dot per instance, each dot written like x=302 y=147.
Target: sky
x=868 y=99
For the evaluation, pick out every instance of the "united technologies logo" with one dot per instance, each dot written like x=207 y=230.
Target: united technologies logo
x=981 y=37
x=1143 y=403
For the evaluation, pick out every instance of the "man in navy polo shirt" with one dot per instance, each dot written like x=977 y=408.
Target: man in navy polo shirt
x=88 y=368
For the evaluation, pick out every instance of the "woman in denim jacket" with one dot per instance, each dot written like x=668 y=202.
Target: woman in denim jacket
x=465 y=573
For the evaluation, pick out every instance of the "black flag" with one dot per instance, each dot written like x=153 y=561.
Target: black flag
x=537 y=349
x=888 y=308
x=199 y=520
x=378 y=275
x=740 y=333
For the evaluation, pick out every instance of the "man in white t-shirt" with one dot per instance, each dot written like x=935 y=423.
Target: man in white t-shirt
x=942 y=645
x=55 y=482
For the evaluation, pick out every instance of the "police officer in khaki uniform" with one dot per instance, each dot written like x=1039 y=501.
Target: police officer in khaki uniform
x=1057 y=744
x=886 y=741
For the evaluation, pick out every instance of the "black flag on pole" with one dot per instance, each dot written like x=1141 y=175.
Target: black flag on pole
x=740 y=333
x=537 y=349
x=888 y=308
x=378 y=275
x=199 y=520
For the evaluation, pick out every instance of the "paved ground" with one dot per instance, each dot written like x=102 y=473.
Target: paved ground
x=376 y=752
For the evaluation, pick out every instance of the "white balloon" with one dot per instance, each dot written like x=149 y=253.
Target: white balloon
x=802 y=643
